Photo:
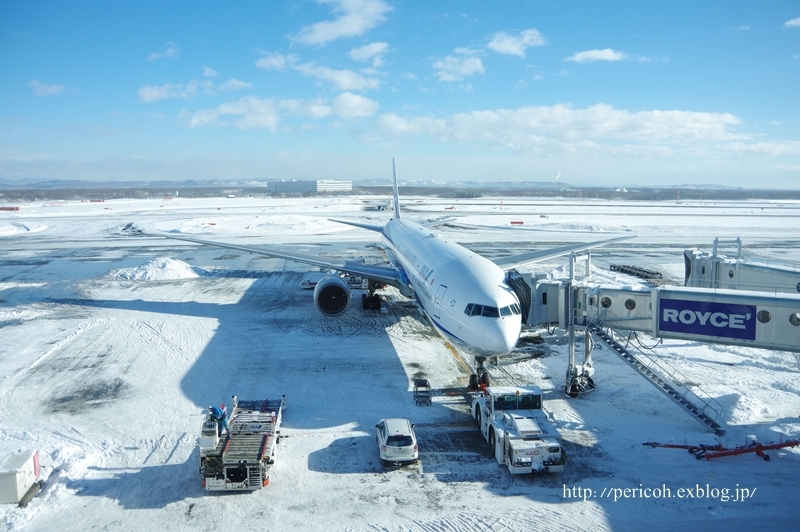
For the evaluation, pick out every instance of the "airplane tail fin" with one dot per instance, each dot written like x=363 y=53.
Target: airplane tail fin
x=396 y=200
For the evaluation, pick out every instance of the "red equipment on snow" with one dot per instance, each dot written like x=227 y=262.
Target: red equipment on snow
x=718 y=450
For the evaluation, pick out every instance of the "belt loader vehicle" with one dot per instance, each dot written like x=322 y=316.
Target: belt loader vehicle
x=516 y=427
x=241 y=460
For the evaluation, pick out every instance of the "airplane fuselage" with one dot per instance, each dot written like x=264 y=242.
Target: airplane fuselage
x=464 y=295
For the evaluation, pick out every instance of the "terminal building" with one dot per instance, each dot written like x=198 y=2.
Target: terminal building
x=322 y=185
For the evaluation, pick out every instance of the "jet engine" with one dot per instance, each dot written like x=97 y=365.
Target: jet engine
x=331 y=296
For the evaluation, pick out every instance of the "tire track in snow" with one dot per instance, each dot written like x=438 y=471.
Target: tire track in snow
x=508 y=522
x=57 y=347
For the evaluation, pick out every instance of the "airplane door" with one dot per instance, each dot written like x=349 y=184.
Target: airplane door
x=438 y=299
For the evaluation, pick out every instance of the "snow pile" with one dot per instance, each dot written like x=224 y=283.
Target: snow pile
x=746 y=410
x=21 y=284
x=580 y=227
x=16 y=315
x=161 y=269
x=9 y=229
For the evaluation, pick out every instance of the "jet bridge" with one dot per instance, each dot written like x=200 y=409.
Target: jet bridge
x=734 y=317
x=738 y=272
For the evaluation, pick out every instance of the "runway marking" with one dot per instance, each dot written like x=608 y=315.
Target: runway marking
x=460 y=361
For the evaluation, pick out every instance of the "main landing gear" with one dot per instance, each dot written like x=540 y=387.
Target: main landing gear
x=371 y=300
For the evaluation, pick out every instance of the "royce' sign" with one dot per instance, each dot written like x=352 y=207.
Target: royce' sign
x=707 y=318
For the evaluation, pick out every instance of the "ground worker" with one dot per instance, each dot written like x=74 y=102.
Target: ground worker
x=220 y=415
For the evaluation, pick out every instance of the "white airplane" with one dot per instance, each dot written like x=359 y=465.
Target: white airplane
x=376 y=205
x=464 y=295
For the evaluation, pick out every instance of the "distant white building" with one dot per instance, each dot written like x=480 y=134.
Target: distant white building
x=322 y=185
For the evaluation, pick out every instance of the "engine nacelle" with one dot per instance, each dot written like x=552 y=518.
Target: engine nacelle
x=331 y=296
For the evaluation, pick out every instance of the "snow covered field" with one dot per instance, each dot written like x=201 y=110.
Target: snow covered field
x=112 y=346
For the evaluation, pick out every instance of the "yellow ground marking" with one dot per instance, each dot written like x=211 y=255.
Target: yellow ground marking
x=458 y=358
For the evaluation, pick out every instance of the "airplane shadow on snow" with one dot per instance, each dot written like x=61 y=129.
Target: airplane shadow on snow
x=273 y=342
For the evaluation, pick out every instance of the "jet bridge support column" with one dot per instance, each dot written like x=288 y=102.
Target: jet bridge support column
x=579 y=376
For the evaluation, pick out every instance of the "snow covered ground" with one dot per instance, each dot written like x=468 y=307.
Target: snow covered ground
x=111 y=347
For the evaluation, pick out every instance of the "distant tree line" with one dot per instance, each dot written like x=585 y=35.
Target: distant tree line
x=10 y=196
x=606 y=193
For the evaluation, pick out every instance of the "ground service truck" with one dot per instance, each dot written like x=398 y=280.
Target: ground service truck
x=518 y=431
x=240 y=460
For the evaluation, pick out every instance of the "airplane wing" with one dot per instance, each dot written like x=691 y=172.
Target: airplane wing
x=377 y=228
x=513 y=261
x=380 y=274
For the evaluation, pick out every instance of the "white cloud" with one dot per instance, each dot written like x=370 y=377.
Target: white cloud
x=770 y=149
x=317 y=108
x=342 y=79
x=349 y=105
x=209 y=72
x=154 y=93
x=563 y=129
x=607 y=54
x=253 y=113
x=43 y=89
x=743 y=28
x=457 y=68
x=794 y=23
x=272 y=62
x=467 y=51
x=502 y=43
x=171 y=52
x=369 y=52
x=353 y=18
x=234 y=85
x=256 y=113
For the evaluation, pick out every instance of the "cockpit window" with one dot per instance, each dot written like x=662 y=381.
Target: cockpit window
x=473 y=309
x=490 y=312
x=511 y=310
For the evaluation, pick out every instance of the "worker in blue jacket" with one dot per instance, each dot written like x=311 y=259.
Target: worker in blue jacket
x=220 y=415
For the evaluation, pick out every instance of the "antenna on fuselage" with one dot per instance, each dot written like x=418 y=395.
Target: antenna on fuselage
x=396 y=201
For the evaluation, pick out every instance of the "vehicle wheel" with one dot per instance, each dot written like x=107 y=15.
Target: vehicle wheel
x=478 y=414
x=376 y=302
x=573 y=390
x=491 y=440
x=473 y=382
x=364 y=301
x=484 y=379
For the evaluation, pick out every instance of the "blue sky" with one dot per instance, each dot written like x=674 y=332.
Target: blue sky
x=597 y=93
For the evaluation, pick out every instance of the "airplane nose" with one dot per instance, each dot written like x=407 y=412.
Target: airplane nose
x=501 y=336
